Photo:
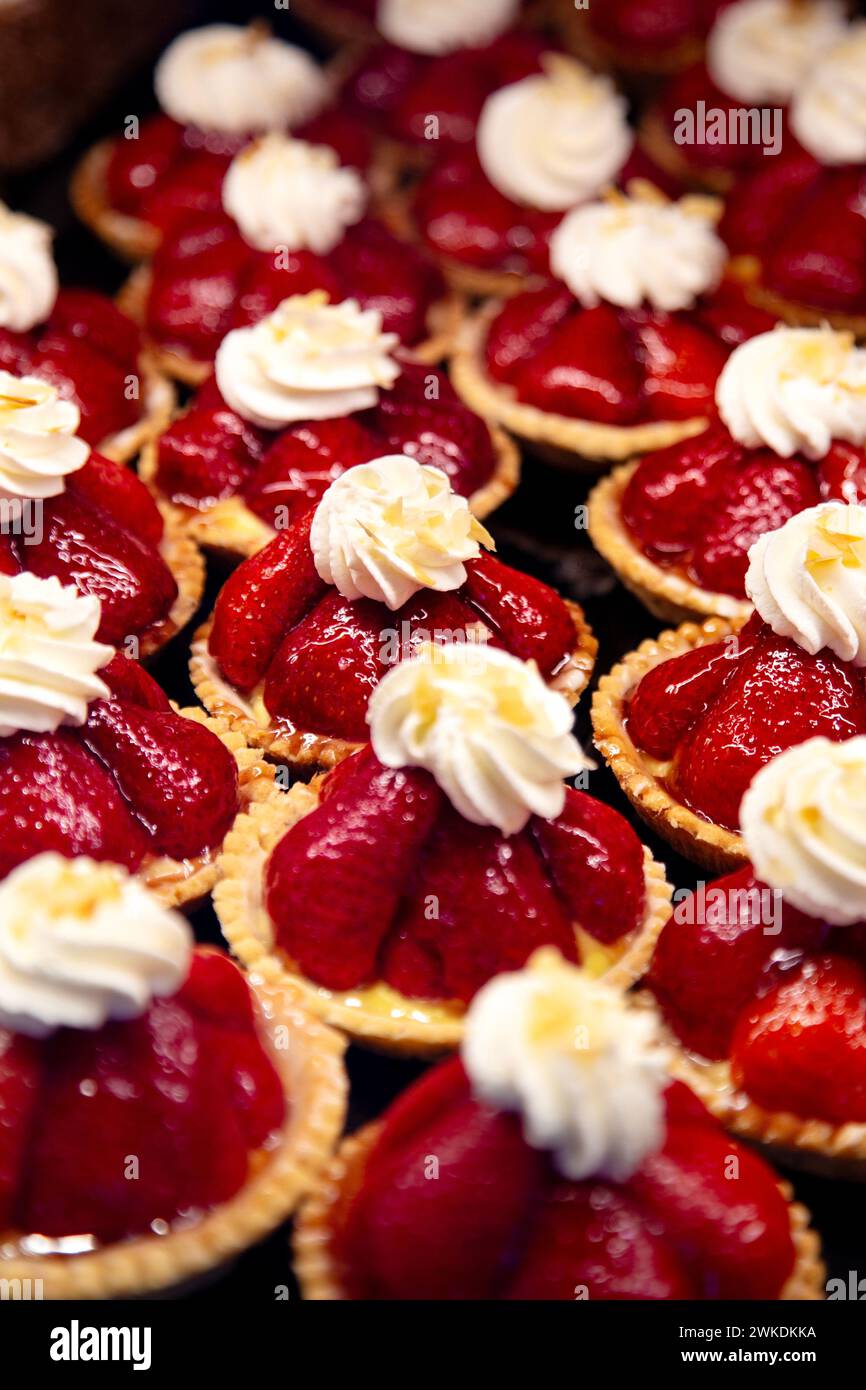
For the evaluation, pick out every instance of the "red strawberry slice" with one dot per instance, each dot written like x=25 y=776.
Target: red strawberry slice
x=261 y=601
x=179 y=778
x=128 y=681
x=54 y=795
x=439 y=618
x=16 y=352
x=206 y=454
x=447 y=97
x=713 y=954
x=820 y=259
x=137 y=165
x=191 y=302
x=673 y=696
x=589 y=1240
x=343 y=133
x=84 y=314
x=596 y=861
x=9 y=561
x=272 y=277
x=586 y=368
x=109 y=487
x=400 y=1233
x=802 y=1047
x=302 y=463
x=390 y=276
x=418 y=381
x=334 y=880
x=463 y=217
x=530 y=617
x=98 y=386
x=425 y=1102
x=680 y=363
x=83 y=547
x=20 y=1081
x=522 y=326
x=761 y=203
x=730 y=317
x=478 y=904
x=777 y=696
x=440 y=434
x=842 y=473
x=760 y=496
x=648 y=29
x=216 y=991
x=728 y=1221
x=672 y=494
x=192 y=187
x=378 y=80
x=328 y=665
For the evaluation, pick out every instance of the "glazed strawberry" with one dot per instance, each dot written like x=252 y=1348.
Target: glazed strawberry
x=136 y=166
x=463 y=217
x=54 y=795
x=729 y=316
x=180 y=778
x=522 y=326
x=105 y=485
x=267 y=595
x=671 y=493
x=386 y=275
x=267 y=280
x=9 y=560
x=97 y=385
x=810 y=264
x=206 y=454
x=16 y=352
x=648 y=29
x=680 y=365
x=440 y=433
x=800 y=1047
x=190 y=189
x=432 y=617
x=376 y=84
x=586 y=369
x=191 y=303
x=83 y=314
x=346 y=136
x=302 y=463
x=85 y=548
x=595 y=1242
x=128 y=681
x=359 y=846
x=327 y=666
x=20 y=1078
x=596 y=862
x=842 y=473
x=531 y=618
x=761 y=202
x=809 y=697
x=494 y=907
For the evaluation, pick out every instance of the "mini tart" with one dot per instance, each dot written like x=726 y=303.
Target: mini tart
x=129 y=237
x=314 y=1081
x=248 y=716
x=185 y=883
x=230 y=529
x=444 y=321
x=640 y=776
x=186 y=562
x=667 y=594
x=562 y=440
x=322 y=1278
x=377 y=1015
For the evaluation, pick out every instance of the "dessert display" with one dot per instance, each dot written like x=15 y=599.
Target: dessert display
x=388 y=560
x=78 y=342
x=730 y=114
x=309 y=391
x=393 y=888
x=687 y=721
x=154 y=1123
x=569 y=1166
x=677 y=526
x=761 y=979
x=621 y=353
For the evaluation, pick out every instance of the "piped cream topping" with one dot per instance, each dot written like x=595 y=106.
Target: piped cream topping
x=828 y=113
x=762 y=50
x=28 y=275
x=443 y=26
x=38 y=443
x=289 y=193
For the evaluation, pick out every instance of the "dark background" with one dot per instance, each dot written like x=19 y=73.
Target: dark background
x=535 y=531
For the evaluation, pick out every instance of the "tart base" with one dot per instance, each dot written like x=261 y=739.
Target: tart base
x=302 y=749
x=322 y=1277
x=378 y=1016
x=314 y=1080
x=666 y=593
x=186 y=563
x=583 y=445
x=641 y=777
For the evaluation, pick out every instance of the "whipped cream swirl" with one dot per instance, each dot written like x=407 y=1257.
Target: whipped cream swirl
x=808 y=580
x=83 y=943
x=238 y=81
x=496 y=739
x=761 y=50
x=48 y=655
x=556 y=138
x=308 y=360
x=442 y=26
x=586 y=1072
x=38 y=444
x=28 y=275
x=385 y=529
x=795 y=390
x=828 y=113
x=285 y=192
x=803 y=819
x=639 y=249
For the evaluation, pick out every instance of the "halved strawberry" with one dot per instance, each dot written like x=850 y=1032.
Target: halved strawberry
x=761 y=202
x=137 y=165
x=191 y=303
x=596 y=861
x=347 y=136
x=206 y=454
x=16 y=352
x=95 y=318
x=673 y=493
x=10 y=562
x=334 y=880
x=439 y=433
x=530 y=617
x=107 y=486
x=585 y=368
x=819 y=258
x=522 y=326
x=729 y=316
x=392 y=277
x=20 y=1080
x=680 y=365
x=128 y=681
x=191 y=187
x=302 y=463
x=269 y=278
x=842 y=473
x=97 y=385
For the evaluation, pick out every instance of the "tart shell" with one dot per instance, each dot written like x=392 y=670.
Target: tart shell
x=583 y=445
x=159 y=401
x=302 y=749
x=667 y=594
x=322 y=1278
x=186 y=563
x=379 y=1016
x=640 y=776
x=314 y=1080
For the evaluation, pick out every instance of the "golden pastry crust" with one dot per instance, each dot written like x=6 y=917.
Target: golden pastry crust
x=444 y=322
x=667 y=594
x=230 y=529
x=377 y=1015
x=159 y=402
x=186 y=563
x=314 y=1080
x=579 y=444
x=642 y=777
x=655 y=141
x=302 y=749
x=322 y=1276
